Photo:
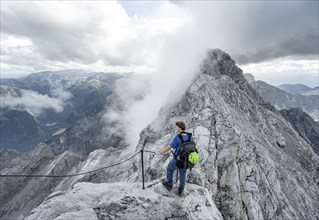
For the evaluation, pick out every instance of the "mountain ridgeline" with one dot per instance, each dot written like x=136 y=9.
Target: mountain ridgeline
x=306 y=127
x=254 y=164
x=78 y=127
x=298 y=104
x=296 y=96
x=299 y=89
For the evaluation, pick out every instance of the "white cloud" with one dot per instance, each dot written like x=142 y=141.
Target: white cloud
x=257 y=30
x=61 y=94
x=61 y=34
x=35 y=102
x=285 y=71
x=167 y=44
x=102 y=36
x=226 y=25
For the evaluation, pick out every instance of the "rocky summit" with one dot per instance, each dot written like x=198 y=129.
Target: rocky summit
x=253 y=165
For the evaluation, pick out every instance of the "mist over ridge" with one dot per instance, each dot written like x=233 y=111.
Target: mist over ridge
x=250 y=155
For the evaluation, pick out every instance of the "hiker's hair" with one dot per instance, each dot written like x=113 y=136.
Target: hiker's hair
x=181 y=125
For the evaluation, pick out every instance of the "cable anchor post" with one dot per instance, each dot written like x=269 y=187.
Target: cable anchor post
x=142 y=160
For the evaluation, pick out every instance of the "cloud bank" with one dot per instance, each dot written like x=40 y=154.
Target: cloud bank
x=165 y=45
x=55 y=35
x=36 y=103
x=75 y=34
x=256 y=31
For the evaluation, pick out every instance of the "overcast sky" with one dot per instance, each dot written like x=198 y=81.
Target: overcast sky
x=276 y=41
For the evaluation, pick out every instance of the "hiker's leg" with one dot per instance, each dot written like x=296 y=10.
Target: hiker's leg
x=170 y=170
x=182 y=179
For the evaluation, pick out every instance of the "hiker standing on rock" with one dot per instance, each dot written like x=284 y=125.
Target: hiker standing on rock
x=175 y=163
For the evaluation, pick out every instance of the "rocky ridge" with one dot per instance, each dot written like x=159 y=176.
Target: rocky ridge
x=306 y=127
x=295 y=88
x=254 y=165
x=126 y=201
x=308 y=102
x=19 y=195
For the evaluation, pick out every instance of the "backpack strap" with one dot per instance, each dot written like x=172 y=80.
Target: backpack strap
x=181 y=137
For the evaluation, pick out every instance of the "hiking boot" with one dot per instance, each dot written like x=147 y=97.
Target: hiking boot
x=168 y=187
x=180 y=192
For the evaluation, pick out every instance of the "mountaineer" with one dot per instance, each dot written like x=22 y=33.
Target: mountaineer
x=185 y=157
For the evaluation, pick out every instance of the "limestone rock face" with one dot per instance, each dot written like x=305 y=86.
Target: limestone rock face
x=254 y=164
x=249 y=77
x=19 y=195
x=304 y=125
x=126 y=201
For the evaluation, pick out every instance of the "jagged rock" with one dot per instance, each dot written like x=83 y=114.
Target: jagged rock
x=20 y=194
x=126 y=201
x=254 y=165
x=249 y=77
x=304 y=125
x=13 y=161
x=252 y=161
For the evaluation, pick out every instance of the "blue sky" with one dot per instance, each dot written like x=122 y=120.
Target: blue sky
x=276 y=41
x=140 y=8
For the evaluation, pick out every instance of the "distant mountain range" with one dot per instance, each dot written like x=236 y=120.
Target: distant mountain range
x=281 y=99
x=253 y=162
x=81 y=125
x=299 y=89
x=80 y=98
x=294 y=102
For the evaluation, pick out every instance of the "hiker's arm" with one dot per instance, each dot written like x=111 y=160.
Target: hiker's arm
x=164 y=150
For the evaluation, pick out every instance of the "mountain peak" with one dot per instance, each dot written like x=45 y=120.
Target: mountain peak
x=253 y=163
x=220 y=63
x=248 y=150
x=249 y=77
